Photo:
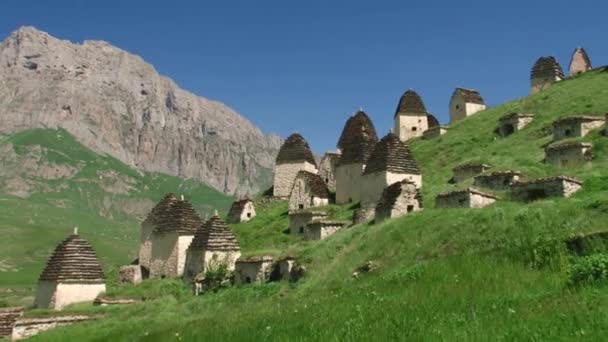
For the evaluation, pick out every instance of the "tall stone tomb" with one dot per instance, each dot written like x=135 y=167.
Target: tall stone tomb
x=294 y=156
x=411 y=116
x=580 y=62
x=545 y=71
x=465 y=102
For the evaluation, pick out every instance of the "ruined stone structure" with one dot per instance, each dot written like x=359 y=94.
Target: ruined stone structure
x=557 y=186
x=434 y=132
x=465 y=102
x=468 y=170
x=398 y=199
x=309 y=190
x=362 y=215
x=252 y=270
x=27 y=327
x=241 y=211
x=130 y=274
x=580 y=62
x=294 y=156
x=8 y=317
x=391 y=161
x=356 y=143
x=214 y=245
x=467 y=198
x=299 y=219
x=288 y=269
x=567 y=154
x=513 y=122
x=499 y=180
x=327 y=169
x=576 y=126
x=166 y=234
x=72 y=275
x=411 y=117
x=545 y=71
x=321 y=229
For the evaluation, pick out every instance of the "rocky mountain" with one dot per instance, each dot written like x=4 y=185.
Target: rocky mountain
x=115 y=103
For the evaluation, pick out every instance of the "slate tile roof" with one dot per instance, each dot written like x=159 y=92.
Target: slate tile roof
x=410 y=102
x=73 y=261
x=392 y=154
x=295 y=149
x=214 y=235
x=549 y=180
x=8 y=317
x=546 y=67
x=469 y=95
x=357 y=140
x=174 y=215
x=317 y=186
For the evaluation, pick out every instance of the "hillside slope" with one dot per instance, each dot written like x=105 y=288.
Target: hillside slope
x=497 y=273
x=114 y=102
x=49 y=183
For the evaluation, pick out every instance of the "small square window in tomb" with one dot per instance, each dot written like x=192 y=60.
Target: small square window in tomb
x=301 y=206
x=301 y=230
x=248 y=215
x=414 y=128
x=410 y=208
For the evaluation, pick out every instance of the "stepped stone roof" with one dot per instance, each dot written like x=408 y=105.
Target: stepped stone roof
x=214 y=235
x=309 y=213
x=392 y=154
x=326 y=223
x=500 y=173
x=73 y=261
x=515 y=115
x=566 y=145
x=432 y=121
x=174 y=215
x=357 y=140
x=392 y=192
x=255 y=259
x=410 y=102
x=238 y=206
x=469 y=95
x=295 y=149
x=318 y=187
x=546 y=67
x=578 y=118
x=580 y=52
x=471 y=165
x=467 y=190
x=8 y=316
x=548 y=180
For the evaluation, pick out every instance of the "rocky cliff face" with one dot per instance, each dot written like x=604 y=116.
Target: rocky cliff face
x=114 y=102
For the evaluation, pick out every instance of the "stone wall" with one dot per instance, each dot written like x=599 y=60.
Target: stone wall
x=510 y=125
x=568 y=155
x=574 y=128
x=28 y=327
x=321 y=229
x=302 y=196
x=434 y=132
x=245 y=215
x=284 y=175
x=130 y=274
x=542 y=83
x=168 y=254
x=327 y=171
x=348 y=180
x=459 y=109
x=145 y=247
x=497 y=181
x=466 y=172
x=406 y=203
x=299 y=220
x=410 y=126
x=463 y=199
x=373 y=184
x=53 y=295
x=199 y=261
x=535 y=190
x=252 y=272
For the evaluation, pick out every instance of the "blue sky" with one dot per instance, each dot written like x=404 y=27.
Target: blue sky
x=306 y=66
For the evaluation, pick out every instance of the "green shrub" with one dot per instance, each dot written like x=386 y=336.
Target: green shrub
x=589 y=269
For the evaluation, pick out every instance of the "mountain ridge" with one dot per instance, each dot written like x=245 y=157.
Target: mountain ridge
x=116 y=103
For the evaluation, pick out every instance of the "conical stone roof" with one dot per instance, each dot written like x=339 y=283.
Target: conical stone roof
x=546 y=67
x=215 y=235
x=357 y=140
x=174 y=215
x=73 y=261
x=469 y=95
x=295 y=149
x=410 y=102
x=394 y=155
x=580 y=61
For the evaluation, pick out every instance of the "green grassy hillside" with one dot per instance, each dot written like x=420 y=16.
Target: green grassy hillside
x=105 y=198
x=498 y=273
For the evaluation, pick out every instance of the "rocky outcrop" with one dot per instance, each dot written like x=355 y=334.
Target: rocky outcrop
x=114 y=102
